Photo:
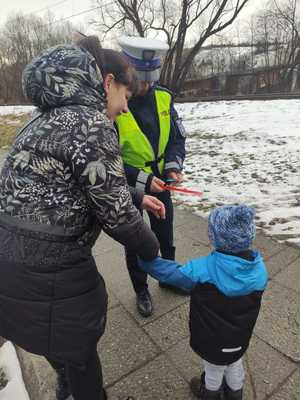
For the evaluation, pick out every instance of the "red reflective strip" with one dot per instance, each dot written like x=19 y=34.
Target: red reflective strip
x=181 y=190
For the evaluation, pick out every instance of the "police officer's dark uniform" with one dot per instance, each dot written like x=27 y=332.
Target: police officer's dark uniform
x=152 y=141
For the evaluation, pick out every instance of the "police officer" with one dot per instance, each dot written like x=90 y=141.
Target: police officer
x=152 y=140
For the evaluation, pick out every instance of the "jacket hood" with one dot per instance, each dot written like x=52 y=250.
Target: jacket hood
x=235 y=276
x=63 y=75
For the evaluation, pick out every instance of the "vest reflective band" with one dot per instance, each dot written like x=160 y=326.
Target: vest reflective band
x=136 y=150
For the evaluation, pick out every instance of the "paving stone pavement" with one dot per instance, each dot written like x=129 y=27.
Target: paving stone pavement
x=151 y=358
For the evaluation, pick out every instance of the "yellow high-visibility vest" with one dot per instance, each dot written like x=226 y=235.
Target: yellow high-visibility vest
x=136 y=150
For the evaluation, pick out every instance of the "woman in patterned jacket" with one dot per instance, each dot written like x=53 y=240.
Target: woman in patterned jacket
x=61 y=184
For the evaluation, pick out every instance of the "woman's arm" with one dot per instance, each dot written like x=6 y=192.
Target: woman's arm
x=97 y=164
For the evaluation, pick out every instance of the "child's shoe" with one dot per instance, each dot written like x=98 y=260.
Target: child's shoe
x=230 y=394
x=197 y=386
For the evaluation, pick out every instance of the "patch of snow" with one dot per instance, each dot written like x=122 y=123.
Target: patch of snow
x=6 y=110
x=246 y=152
x=15 y=388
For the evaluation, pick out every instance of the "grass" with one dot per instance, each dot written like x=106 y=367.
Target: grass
x=236 y=163
x=9 y=126
x=201 y=206
x=206 y=136
x=204 y=207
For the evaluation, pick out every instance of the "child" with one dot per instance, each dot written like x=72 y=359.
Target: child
x=226 y=289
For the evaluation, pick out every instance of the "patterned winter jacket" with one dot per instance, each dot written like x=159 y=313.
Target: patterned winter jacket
x=64 y=174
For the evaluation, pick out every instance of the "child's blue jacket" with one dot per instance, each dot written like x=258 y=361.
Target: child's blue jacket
x=226 y=294
x=233 y=276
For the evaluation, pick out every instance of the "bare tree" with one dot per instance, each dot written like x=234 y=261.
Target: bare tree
x=289 y=18
x=22 y=38
x=277 y=32
x=175 y=22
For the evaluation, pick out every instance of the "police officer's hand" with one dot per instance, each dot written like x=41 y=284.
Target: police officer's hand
x=177 y=176
x=155 y=206
x=157 y=185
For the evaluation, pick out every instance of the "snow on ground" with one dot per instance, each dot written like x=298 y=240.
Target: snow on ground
x=15 y=388
x=6 y=110
x=246 y=152
x=242 y=151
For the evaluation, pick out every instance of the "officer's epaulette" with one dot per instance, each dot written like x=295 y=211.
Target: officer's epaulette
x=164 y=88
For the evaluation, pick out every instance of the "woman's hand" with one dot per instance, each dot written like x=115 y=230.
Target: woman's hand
x=154 y=205
x=156 y=185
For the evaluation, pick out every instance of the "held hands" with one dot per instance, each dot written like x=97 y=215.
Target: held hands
x=177 y=176
x=155 y=206
x=156 y=185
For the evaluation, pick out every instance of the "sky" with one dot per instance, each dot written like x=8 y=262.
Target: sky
x=60 y=8
x=66 y=8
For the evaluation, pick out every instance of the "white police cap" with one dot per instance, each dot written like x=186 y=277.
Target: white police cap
x=145 y=55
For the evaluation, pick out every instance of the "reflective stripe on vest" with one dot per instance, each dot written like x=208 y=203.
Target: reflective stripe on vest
x=136 y=150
